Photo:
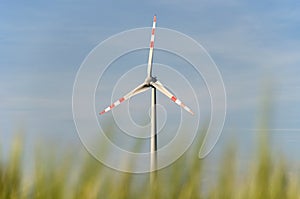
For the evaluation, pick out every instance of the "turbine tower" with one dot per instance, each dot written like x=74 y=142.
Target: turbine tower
x=154 y=84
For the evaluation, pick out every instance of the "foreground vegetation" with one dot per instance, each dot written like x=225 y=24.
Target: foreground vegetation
x=68 y=176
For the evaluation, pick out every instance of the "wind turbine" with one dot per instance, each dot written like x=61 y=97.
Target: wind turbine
x=154 y=84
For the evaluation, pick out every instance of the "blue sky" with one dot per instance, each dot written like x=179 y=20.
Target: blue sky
x=43 y=44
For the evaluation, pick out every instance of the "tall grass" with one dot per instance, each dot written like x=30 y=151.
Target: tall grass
x=70 y=176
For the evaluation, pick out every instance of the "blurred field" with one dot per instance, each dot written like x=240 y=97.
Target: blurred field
x=80 y=176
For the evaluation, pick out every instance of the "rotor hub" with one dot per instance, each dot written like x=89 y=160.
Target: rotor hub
x=150 y=80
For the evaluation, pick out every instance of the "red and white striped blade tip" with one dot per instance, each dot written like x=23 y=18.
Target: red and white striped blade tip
x=112 y=106
x=177 y=101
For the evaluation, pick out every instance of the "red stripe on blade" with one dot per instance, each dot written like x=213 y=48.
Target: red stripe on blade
x=102 y=112
x=154 y=18
x=111 y=106
x=121 y=99
x=173 y=98
x=151 y=44
x=153 y=31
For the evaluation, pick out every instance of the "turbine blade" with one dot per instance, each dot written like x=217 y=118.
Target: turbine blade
x=141 y=88
x=150 y=58
x=165 y=91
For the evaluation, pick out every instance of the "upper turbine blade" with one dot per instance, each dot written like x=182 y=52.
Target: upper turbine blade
x=141 y=88
x=150 y=58
x=162 y=89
